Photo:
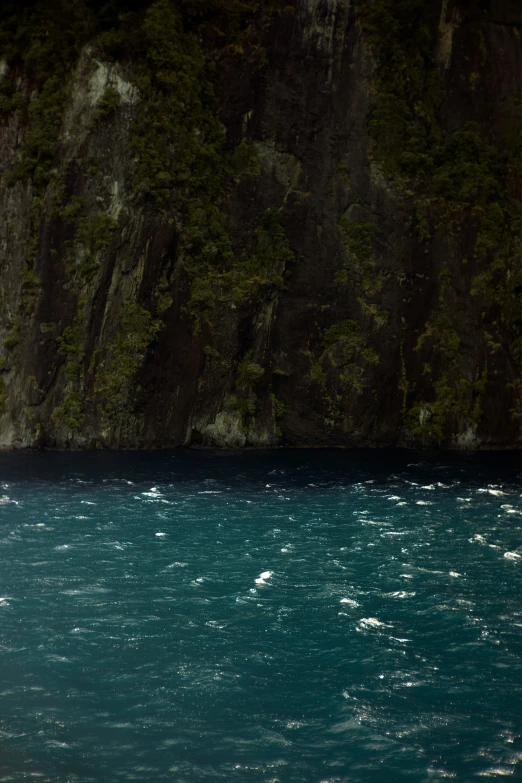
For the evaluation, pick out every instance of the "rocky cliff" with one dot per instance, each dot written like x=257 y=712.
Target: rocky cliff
x=232 y=223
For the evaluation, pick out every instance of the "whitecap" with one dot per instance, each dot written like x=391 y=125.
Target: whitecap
x=261 y=579
x=160 y=535
x=399 y=594
x=442 y=773
x=424 y=503
x=512 y=556
x=6 y=499
x=350 y=602
x=372 y=622
x=455 y=574
x=428 y=486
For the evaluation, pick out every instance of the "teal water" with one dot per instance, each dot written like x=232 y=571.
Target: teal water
x=297 y=617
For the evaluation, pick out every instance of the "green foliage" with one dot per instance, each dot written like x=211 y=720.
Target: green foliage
x=440 y=333
x=407 y=90
x=31 y=288
x=453 y=173
x=244 y=400
x=346 y=335
x=70 y=346
x=379 y=316
x=180 y=164
x=44 y=38
x=248 y=373
x=70 y=413
x=3 y=395
x=36 y=156
x=92 y=237
x=71 y=210
x=178 y=143
x=110 y=101
x=359 y=238
x=267 y=265
x=237 y=282
x=465 y=170
x=278 y=407
x=210 y=352
x=344 y=174
x=245 y=160
x=164 y=301
x=10 y=99
x=458 y=400
x=226 y=18
x=176 y=137
x=13 y=338
x=346 y=352
x=456 y=179
x=341 y=277
x=114 y=383
x=94 y=232
x=205 y=241
x=345 y=332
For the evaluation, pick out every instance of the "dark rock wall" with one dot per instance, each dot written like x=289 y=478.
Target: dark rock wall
x=320 y=246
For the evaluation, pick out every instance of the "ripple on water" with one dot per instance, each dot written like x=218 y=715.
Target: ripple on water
x=286 y=617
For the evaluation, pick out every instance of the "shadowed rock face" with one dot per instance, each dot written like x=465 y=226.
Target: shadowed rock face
x=288 y=224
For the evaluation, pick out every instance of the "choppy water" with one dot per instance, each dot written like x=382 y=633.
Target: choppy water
x=296 y=617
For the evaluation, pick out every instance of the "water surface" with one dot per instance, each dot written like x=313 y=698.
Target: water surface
x=297 y=617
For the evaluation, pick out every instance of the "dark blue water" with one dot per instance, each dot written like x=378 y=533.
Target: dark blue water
x=292 y=617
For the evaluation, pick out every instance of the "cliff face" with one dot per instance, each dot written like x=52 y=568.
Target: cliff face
x=234 y=224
